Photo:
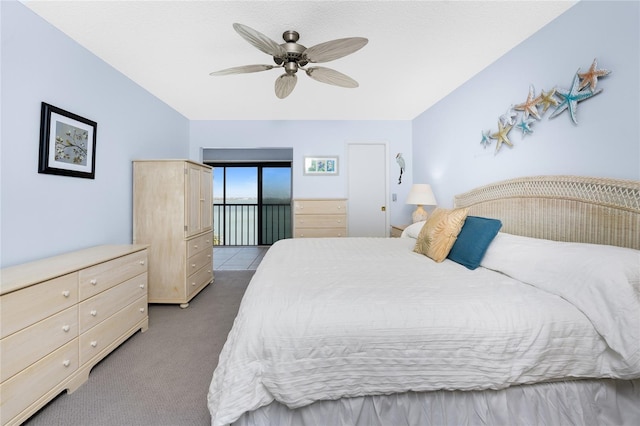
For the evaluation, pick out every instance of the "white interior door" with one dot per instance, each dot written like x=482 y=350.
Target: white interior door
x=367 y=186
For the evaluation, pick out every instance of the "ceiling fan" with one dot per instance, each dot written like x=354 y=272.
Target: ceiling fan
x=293 y=56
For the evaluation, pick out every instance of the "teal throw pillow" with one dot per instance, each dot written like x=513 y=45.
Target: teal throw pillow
x=473 y=241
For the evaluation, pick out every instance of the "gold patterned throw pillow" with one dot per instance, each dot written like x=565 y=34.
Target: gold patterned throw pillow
x=439 y=233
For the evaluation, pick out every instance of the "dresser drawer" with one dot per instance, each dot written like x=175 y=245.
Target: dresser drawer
x=26 y=387
x=320 y=232
x=320 y=221
x=29 y=305
x=98 y=338
x=101 y=277
x=100 y=307
x=28 y=345
x=200 y=278
x=320 y=206
x=197 y=262
x=198 y=244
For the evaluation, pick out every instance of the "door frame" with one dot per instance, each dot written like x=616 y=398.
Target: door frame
x=386 y=176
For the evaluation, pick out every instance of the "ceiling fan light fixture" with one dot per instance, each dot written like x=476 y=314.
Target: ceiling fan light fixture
x=291 y=67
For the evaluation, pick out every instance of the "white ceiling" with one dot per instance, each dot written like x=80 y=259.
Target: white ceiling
x=418 y=51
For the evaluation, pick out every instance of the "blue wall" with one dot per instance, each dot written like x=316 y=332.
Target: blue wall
x=605 y=142
x=43 y=215
x=316 y=138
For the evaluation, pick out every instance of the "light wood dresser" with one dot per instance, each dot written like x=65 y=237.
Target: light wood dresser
x=60 y=316
x=172 y=212
x=325 y=217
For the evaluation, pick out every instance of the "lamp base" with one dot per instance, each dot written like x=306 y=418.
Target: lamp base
x=419 y=214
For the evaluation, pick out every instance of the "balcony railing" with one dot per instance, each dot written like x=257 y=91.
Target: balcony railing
x=238 y=224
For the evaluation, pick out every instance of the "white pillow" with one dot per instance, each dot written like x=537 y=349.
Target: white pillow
x=413 y=230
x=501 y=248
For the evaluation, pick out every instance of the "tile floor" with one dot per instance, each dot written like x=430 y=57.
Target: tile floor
x=237 y=257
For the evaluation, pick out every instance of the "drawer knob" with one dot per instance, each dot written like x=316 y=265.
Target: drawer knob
x=94 y=281
x=193 y=284
x=66 y=363
x=193 y=265
x=94 y=343
x=66 y=293
x=93 y=313
x=142 y=262
x=142 y=310
x=141 y=285
x=196 y=246
x=66 y=328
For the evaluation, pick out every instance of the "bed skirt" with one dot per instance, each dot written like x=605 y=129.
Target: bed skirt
x=579 y=402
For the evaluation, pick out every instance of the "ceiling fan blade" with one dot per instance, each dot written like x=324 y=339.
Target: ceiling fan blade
x=334 y=49
x=243 y=69
x=260 y=41
x=329 y=76
x=285 y=84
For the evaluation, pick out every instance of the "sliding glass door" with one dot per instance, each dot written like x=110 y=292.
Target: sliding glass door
x=252 y=203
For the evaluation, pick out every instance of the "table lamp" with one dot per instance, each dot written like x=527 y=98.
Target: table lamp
x=421 y=195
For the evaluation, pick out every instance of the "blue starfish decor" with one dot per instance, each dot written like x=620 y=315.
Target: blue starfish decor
x=525 y=126
x=571 y=98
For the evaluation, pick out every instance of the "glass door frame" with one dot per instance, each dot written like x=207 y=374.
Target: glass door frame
x=260 y=166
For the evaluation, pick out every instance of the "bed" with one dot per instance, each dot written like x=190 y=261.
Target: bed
x=540 y=326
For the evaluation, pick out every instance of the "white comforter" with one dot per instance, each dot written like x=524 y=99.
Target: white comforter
x=332 y=318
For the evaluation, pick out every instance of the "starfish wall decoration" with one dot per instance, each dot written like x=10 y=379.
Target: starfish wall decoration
x=582 y=88
x=502 y=135
x=590 y=78
x=530 y=106
x=525 y=126
x=486 y=139
x=571 y=99
x=547 y=99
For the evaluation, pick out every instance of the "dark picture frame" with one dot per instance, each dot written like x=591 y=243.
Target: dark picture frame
x=67 y=143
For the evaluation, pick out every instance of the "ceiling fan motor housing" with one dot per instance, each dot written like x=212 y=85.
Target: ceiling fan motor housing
x=295 y=52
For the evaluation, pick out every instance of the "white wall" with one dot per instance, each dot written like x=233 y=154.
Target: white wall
x=44 y=215
x=315 y=138
x=606 y=142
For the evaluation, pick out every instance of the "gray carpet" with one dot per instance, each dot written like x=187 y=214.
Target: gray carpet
x=161 y=376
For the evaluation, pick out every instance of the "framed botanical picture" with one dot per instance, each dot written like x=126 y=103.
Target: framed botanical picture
x=321 y=165
x=67 y=143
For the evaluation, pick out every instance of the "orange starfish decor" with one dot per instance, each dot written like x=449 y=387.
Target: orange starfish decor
x=590 y=78
x=530 y=106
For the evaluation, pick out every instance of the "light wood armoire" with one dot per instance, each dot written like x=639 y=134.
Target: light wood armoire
x=172 y=212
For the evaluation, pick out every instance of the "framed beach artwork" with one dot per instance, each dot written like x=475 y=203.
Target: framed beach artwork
x=327 y=166
x=67 y=143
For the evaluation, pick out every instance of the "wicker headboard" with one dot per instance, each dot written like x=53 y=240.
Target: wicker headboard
x=562 y=208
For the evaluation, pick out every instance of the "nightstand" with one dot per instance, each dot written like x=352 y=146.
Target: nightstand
x=396 y=230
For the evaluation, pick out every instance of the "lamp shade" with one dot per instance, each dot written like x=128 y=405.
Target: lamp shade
x=422 y=195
